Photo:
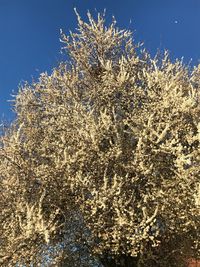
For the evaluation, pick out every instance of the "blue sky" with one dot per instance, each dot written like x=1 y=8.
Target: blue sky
x=29 y=32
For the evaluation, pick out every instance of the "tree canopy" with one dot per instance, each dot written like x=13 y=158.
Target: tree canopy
x=101 y=166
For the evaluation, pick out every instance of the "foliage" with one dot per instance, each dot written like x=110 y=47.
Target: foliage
x=102 y=161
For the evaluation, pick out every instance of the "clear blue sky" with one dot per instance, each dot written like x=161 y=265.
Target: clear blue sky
x=29 y=32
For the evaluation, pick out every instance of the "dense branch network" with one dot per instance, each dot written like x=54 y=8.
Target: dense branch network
x=103 y=159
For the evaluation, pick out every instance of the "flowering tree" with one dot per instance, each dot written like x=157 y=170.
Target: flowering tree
x=102 y=161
